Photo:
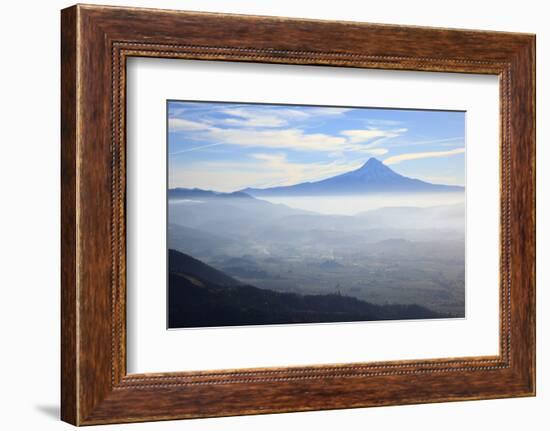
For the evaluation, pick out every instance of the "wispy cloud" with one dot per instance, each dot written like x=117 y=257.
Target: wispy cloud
x=278 y=139
x=423 y=155
x=288 y=173
x=182 y=125
x=259 y=170
x=259 y=145
x=286 y=138
x=377 y=151
x=444 y=142
x=327 y=111
x=366 y=135
x=258 y=116
x=200 y=147
x=383 y=123
x=243 y=117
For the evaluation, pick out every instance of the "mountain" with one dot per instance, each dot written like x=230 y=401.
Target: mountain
x=198 y=242
x=224 y=214
x=183 y=193
x=201 y=296
x=181 y=263
x=372 y=177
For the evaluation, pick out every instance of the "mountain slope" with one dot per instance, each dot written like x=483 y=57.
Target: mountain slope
x=197 y=242
x=372 y=177
x=196 y=300
x=181 y=263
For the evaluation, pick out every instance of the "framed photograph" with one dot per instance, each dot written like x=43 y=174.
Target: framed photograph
x=263 y=214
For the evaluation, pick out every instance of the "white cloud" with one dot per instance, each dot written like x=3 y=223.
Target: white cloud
x=252 y=118
x=278 y=139
x=429 y=154
x=271 y=138
x=316 y=111
x=272 y=158
x=262 y=116
x=443 y=142
x=181 y=125
x=284 y=138
x=365 y=135
x=377 y=151
x=200 y=147
x=284 y=172
x=260 y=170
x=270 y=133
x=378 y=122
x=257 y=116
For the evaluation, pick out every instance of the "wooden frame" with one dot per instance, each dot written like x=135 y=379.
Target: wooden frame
x=96 y=41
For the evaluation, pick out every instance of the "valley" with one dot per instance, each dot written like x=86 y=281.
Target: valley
x=387 y=255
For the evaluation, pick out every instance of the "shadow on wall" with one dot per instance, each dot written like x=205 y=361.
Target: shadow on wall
x=52 y=411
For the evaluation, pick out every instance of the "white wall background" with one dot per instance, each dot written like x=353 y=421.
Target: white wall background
x=29 y=215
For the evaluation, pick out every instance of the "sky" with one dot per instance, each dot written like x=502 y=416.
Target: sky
x=230 y=146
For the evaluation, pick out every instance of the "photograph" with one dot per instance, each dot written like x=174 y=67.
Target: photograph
x=293 y=214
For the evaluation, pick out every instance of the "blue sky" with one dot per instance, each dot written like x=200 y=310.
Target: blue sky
x=230 y=146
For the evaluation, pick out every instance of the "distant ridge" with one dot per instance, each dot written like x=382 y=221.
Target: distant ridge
x=184 y=193
x=372 y=177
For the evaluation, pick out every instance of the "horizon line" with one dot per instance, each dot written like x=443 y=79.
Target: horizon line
x=323 y=179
